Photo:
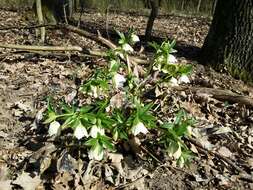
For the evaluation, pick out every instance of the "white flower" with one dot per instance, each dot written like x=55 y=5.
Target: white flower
x=189 y=130
x=172 y=59
x=119 y=80
x=95 y=130
x=108 y=109
x=94 y=91
x=127 y=48
x=173 y=82
x=120 y=54
x=80 y=132
x=135 y=38
x=139 y=128
x=54 y=128
x=181 y=162
x=183 y=79
x=97 y=153
x=178 y=153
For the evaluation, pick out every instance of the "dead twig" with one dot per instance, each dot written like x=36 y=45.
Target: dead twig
x=41 y=48
x=98 y=38
x=151 y=154
x=219 y=94
x=132 y=182
x=28 y=27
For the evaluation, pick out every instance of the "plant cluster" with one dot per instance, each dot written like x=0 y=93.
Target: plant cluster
x=115 y=109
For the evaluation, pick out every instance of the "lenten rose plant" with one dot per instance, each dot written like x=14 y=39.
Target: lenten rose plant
x=112 y=107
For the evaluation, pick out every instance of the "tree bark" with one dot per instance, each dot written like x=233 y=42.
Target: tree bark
x=55 y=11
x=70 y=6
x=199 y=5
x=41 y=48
x=41 y=20
x=229 y=43
x=213 y=7
x=154 y=13
x=182 y=5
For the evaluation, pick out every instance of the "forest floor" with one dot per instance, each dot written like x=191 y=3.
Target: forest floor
x=223 y=150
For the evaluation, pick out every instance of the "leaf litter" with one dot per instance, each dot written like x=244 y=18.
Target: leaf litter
x=222 y=139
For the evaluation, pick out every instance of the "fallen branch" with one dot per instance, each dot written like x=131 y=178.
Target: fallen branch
x=94 y=37
x=41 y=48
x=98 y=38
x=27 y=27
x=219 y=94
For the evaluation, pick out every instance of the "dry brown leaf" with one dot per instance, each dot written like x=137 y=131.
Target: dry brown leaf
x=5 y=185
x=27 y=182
x=224 y=151
x=116 y=160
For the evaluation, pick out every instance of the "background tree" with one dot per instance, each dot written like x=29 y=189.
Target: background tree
x=56 y=10
x=229 y=43
x=51 y=12
x=39 y=13
x=154 y=13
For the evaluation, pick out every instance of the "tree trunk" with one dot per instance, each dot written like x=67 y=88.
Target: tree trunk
x=182 y=5
x=70 y=6
x=213 y=7
x=154 y=12
x=40 y=20
x=229 y=43
x=199 y=5
x=55 y=11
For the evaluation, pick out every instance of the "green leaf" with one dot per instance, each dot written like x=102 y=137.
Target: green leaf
x=171 y=69
x=85 y=109
x=146 y=108
x=101 y=105
x=154 y=45
x=67 y=108
x=181 y=129
x=69 y=122
x=51 y=117
x=122 y=37
x=147 y=118
x=136 y=121
x=119 y=133
x=173 y=43
x=115 y=134
x=107 y=143
x=186 y=157
x=50 y=107
x=91 y=142
x=179 y=117
x=167 y=126
x=185 y=69
x=173 y=147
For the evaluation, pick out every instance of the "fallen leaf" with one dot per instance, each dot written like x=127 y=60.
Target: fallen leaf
x=5 y=185
x=27 y=182
x=3 y=134
x=205 y=143
x=116 y=162
x=224 y=151
x=222 y=130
